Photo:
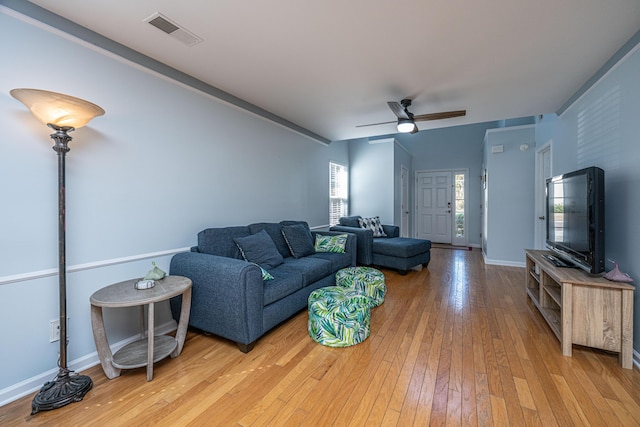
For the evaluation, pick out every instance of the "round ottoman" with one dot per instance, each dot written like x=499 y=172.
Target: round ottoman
x=338 y=317
x=365 y=279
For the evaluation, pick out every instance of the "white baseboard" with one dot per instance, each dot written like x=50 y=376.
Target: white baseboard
x=33 y=384
x=502 y=262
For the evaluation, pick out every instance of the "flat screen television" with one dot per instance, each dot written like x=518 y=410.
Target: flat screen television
x=575 y=218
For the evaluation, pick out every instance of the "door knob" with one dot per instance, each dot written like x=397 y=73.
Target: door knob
x=541 y=217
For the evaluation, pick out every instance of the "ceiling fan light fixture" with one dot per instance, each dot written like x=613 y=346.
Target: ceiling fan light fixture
x=406 y=125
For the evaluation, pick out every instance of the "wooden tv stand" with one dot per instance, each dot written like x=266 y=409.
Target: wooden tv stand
x=582 y=309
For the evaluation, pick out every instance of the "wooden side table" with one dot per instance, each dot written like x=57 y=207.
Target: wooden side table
x=149 y=348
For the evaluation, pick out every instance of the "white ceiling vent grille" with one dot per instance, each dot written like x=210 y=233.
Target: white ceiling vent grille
x=171 y=28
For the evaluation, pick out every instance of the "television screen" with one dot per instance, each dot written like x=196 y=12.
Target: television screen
x=575 y=218
x=568 y=210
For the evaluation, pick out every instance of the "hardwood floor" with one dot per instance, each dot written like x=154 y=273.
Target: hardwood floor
x=457 y=344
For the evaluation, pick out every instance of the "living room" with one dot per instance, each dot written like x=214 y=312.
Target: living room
x=144 y=179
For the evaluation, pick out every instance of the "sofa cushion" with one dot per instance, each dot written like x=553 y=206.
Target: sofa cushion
x=350 y=221
x=335 y=243
x=337 y=261
x=299 y=240
x=259 y=249
x=311 y=269
x=219 y=241
x=274 y=230
x=374 y=225
x=283 y=284
x=402 y=247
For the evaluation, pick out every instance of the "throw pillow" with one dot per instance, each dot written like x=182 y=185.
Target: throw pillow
x=265 y=274
x=374 y=225
x=299 y=240
x=260 y=249
x=334 y=244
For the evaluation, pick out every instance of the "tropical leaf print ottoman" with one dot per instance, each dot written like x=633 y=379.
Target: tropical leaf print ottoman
x=338 y=317
x=365 y=279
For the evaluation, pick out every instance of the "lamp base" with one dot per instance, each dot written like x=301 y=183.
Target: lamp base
x=65 y=389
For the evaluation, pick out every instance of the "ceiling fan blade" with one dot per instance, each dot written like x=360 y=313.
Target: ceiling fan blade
x=398 y=110
x=439 y=116
x=376 y=124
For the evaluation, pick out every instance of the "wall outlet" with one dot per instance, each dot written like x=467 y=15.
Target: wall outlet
x=54 y=330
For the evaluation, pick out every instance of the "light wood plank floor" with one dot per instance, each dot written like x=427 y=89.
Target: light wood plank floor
x=457 y=344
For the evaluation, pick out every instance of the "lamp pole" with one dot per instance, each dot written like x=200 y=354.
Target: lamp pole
x=65 y=388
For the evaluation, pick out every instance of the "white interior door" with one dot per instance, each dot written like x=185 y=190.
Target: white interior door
x=543 y=171
x=433 y=190
x=404 y=202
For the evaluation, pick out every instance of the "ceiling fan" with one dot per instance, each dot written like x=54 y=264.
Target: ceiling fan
x=407 y=121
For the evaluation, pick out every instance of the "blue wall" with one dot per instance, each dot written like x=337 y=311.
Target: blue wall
x=164 y=162
x=509 y=205
x=601 y=128
x=371 y=191
x=457 y=147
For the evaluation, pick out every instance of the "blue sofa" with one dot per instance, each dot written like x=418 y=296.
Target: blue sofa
x=229 y=296
x=391 y=251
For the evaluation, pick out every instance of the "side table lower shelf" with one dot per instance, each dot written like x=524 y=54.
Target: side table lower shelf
x=135 y=354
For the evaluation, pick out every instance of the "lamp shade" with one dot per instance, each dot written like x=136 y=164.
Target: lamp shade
x=406 y=125
x=56 y=108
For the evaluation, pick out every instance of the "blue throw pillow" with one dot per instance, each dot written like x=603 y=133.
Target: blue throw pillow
x=260 y=249
x=299 y=240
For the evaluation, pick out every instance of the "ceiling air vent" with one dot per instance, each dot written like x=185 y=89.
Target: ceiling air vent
x=174 y=30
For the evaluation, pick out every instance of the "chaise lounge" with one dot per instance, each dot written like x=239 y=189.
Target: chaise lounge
x=380 y=244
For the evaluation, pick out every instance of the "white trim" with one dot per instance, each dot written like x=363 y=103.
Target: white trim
x=502 y=262
x=88 y=266
x=381 y=140
x=320 y=227
x=507 y=128
x=404 y=204
x=539 y=192
x=464 y=240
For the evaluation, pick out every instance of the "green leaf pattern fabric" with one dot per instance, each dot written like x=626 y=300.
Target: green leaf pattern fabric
x=334 y=244
x=338 y=317
x=366 y=280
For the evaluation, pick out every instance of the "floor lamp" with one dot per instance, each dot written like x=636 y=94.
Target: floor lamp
x=63 y=114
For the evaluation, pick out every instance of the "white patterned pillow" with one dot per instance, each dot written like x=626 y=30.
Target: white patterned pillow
x=374 y=225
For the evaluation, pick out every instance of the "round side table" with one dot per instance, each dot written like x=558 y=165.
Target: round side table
x=149 y=348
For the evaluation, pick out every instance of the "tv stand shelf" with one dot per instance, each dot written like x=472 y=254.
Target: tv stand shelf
x=582 y=309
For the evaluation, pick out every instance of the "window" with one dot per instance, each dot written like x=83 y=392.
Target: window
x=459 y=205
x=338 y=192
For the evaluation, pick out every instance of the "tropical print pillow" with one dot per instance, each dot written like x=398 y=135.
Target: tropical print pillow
x=374 y=225
x=265 y=274
x=334 y=244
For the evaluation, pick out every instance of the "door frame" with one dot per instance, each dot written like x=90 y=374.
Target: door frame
x=405 y=210
x=464 y=240
x=540 y=196
x=453 y=173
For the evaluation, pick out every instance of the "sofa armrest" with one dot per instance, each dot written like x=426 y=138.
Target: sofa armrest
x=351 y=247
x=227 y=295
x=391 y=230
x=364 y=245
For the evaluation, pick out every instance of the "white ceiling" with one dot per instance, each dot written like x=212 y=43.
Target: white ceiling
x=330 y=65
